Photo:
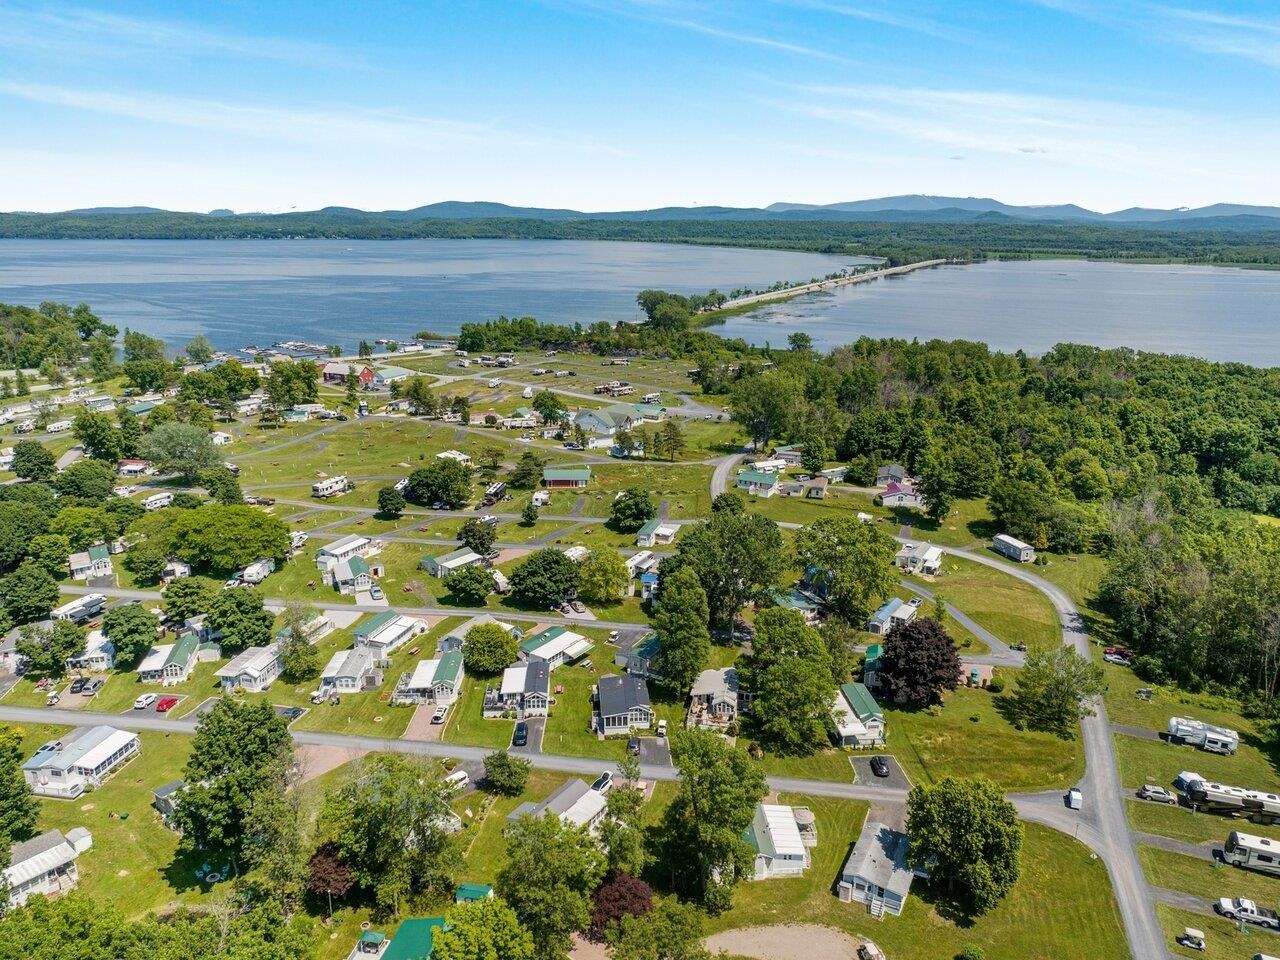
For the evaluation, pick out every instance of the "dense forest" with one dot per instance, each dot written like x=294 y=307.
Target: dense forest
x=897 y=242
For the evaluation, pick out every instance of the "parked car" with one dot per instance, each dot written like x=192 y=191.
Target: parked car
x=578 y=606
x=880 y=766
x=375 y=592
x=1241 y=909
x=51 y=700
x=1149 y=791
x=442 y=711
x=521 y=736
x=77 y=684
x=603 y=782
x=166 y=704
x=662 y=728
x=144 y=701
x=92 y=687
x=1118 y=651
x=633 y=746
x=1115 y=658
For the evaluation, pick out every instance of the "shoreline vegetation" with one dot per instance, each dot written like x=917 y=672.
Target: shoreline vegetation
x=897 y=243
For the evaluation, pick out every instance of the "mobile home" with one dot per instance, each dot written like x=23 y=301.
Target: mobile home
x=81 y=609
x=331 y=487
x=157 y=500
x=1012 y=548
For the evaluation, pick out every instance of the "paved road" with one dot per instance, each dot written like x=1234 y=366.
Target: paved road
x=788 y=292
x=724 y=470
x=1103 y=824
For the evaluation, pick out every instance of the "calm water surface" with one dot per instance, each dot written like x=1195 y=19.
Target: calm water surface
x=1216 y=312
x=238 y=292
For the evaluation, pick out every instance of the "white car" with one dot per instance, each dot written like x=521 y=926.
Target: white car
x=1116 y=659
x=441 y=712
x=145 y=701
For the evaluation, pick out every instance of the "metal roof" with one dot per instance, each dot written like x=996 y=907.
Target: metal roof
x=86 y=748
x=38 y=856
x=880 y=857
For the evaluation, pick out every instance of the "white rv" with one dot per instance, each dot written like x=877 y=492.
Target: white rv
x=1206 y=736
x=257 y=571
x=81 y=609
x=1255 y=853
x=1012 y=548
x=157 y=500
x=332 y=487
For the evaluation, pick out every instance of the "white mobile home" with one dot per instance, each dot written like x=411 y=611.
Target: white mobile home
x=876 y=871
x=344 y=549
x=857 y=717
x=387 y=632
x=350 y=671
x=252 y=670
x=774 y=834
x=525 y=691
x=80 y=609
x=170 y=663
x=44 y=865
x=98 y=655
x=432 y=681
x=157 y=500
x=1012 y=548
x=555 y=646
x=83 y=759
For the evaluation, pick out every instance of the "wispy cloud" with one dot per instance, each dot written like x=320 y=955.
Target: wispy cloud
x=882 y=16
x=1095 y=134
x=707 y=20
x=83 y=30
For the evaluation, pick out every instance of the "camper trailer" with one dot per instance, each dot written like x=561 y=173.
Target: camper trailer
x=81 y=609
x=1255 y=806
x=1203 y=735
x=257 y=571
x=332 y=487
x=1253 y=853
x=157 y=500
x=1012 y=548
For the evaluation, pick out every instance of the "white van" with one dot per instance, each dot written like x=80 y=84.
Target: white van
x=458 y=780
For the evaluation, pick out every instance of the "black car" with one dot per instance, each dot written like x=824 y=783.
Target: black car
x=880 y=766
x=78 y=684
x=633 y=746
x=521 y=737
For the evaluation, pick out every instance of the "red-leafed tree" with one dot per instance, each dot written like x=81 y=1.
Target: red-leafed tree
x=327 y=874
x=621 y=895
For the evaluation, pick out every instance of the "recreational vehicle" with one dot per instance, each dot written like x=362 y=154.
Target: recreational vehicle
x=332 y=487
x=81 y=609
x=1206 y=736
x=157 y=500
x=1012 y=548
x=1254 y=853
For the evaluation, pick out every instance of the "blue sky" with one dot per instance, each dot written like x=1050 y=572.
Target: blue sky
x=623 y=104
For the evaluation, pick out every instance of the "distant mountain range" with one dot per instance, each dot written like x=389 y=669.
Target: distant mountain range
x=910 y=208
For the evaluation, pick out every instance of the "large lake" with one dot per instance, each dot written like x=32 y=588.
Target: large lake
x=239 y=292
x=1220 y=313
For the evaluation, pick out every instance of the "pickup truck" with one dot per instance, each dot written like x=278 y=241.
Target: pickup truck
x=1248 y=911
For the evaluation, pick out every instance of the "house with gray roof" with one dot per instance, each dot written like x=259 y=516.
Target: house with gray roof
x=90 y=564
x=432 y=681
x=622 y=704
x=170 y=663
x=350 y=671
x=525 y=691
x=44 y=865
x=575 y=803
x=876 y=871
x=351 y=575
x=83 y=759
x=716 y=699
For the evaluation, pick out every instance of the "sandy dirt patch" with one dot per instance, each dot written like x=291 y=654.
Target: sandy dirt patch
x=421 y=727
x=584 y=949
x=511 y=553
x=315 y=760
x=786 y=941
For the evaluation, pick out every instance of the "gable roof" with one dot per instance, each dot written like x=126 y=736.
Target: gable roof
x=621 y=694
x=566 y=473
x=38 y=856
x=756 y=477
x=81 y=748
x=861 y=702
x=414 y=940
x=887 y=609
x=879 y=856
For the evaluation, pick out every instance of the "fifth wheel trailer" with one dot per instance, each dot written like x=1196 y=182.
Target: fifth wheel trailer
x=1206 y=736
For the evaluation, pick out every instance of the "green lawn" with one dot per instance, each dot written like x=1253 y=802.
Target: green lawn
x=1175 y=871
x=1055 y=870
x=1125 y=707
x=132 y=863
x=954 y=743
x=1014 y=611
x=824 y=765
x=968 y=524
x=836 y=503
x=466 y=723
x=1149 y=761
x=1223 y=939
x=1181 y=823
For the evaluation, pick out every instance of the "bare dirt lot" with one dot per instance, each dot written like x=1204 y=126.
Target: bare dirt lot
x=787 y=941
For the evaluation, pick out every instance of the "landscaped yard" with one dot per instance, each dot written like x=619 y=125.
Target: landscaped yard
x=1062 y=906
x=466 y=723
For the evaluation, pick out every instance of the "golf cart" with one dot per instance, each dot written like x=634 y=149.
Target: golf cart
x=869 y=951
x=1192 y=939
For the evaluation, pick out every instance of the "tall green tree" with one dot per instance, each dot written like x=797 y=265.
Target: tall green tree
x=32 y=460
x=631 y=510
x=488 y=649
x=441 y=481
x=602 y=576
x=544 y=577
x=132 y=629
x=238 y=750
x=703 y=827
x=1051 y=692
x=670 y=931
x=180 y=448
x=681 y=620
x=19 y=810
x=29 y=593
x=242 y=619
x=855 y=562
x=551 y=871
x=737 y=557
x=482 y=930
x=969 y=838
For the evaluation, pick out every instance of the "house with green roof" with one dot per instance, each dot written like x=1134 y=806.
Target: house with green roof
x=432 y=681
x=871 y=666
x=858 y=718
x=555 y=646
x=92 y=563
x=472 y=892
x=756 y=483
x=387 y=631
x=170 y=663
x=415 y=939
x=639 y=659
x=448 y=564
x=566 y=477
x=143 y=407
x=351 y=575
x=385 y=376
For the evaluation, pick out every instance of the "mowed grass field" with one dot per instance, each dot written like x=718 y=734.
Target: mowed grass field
x=1014 y=611
x=1083 y=920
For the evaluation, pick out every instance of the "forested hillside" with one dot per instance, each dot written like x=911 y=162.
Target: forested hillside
x=898 y=242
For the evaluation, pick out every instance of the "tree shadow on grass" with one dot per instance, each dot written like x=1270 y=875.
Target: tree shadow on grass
x=950 y=908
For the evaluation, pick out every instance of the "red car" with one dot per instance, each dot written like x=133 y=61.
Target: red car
x=1119 y=652
x=165 y=704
